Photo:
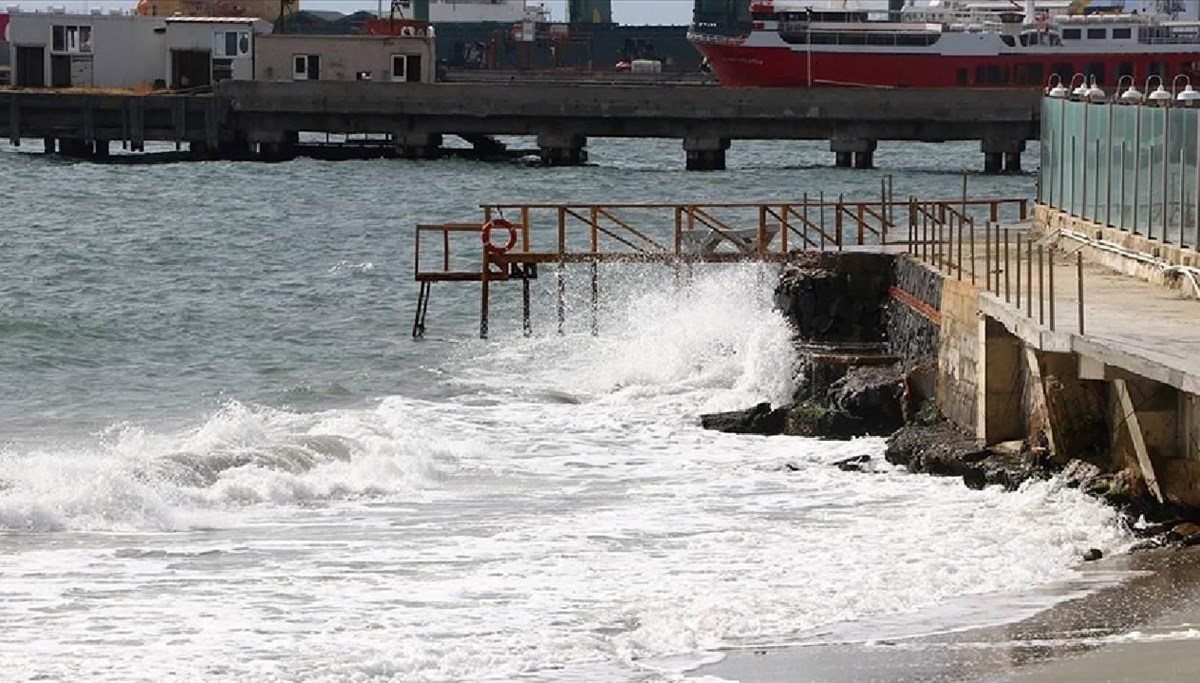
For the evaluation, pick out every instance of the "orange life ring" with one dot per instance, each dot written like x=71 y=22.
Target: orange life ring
x=486 y=235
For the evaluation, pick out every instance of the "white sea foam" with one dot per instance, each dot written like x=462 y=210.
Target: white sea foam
x=563 y=519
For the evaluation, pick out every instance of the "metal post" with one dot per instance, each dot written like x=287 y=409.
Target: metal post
x=1007 y=292
x=960 y=248
x=1122 y=196
x=1029 y=281
x=1150 y=197
x=1196 y=206
x=1075 y=192
x=1166 y=170
x=484 y=294
x=1109 y=175
x=1050 y=281
x=971 y=239
x=1041 y=286
x=1018 y=273
x=950 y=245
x=1137 y=168
x=1181 y=210
x=1079 y=276
x=925 y=237
x=526 y=322
x=987 y=256
x=595 y=298
x=1083 y=195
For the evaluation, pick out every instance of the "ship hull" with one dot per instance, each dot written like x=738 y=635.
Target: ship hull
x=738 y=65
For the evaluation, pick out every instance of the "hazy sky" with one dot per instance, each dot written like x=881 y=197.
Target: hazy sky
x=624 y=11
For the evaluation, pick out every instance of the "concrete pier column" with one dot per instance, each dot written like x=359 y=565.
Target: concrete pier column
x=100 y=149
x=274 y=146
x=74 y=148
x=1002 y=153
x=417 y=145
x=705 y=153
x=856 y=152
x=992 y=162
x=558 y=149
x=50 y=144
x=1012 y=162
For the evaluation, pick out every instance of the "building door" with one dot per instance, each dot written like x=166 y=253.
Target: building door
x=31 y=67
x=60 y=71
x=190 y=69
x=413 y=69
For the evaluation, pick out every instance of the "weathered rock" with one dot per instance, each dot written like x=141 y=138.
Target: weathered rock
x=1080 y=474
x=874 y=395
x=821 y=422
x=944 y=451
x=1092 y=555
x=836 y=297
x=761 y=419
x=853 y=464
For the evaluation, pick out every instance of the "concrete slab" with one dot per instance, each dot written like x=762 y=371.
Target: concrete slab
x=1146 y=329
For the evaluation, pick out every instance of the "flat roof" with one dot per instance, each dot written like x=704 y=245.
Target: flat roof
x=212 y=20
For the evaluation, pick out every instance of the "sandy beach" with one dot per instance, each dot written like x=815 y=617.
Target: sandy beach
x=1142 y=628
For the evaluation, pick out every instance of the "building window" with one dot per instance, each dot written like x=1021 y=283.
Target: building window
x=406 y=68
x=306 y=67
x=1072 y=33
x=1122 y=33
x=71 y=39
x=231 y=43
x=1097 y=33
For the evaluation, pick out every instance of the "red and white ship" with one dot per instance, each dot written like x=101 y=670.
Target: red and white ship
x=948 y=44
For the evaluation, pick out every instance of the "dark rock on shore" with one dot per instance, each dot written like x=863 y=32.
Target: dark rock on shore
x=874 y=395
x=761 y=419
x=943 y=450
x=1092 y=555
x=853 y=464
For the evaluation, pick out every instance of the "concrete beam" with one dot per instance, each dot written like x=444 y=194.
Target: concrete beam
x=1129 y=411
x=417 y=144
x=999 y=409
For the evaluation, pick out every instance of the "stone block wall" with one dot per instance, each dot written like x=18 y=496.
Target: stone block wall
x=958 y=350
x=912 y=334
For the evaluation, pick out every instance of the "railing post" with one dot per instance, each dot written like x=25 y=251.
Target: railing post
x=525 y=229
x=987 y=256
x=1041 y=286
x=862 y=224
x=912 y=223
x=1050 y=280
x=1029 y=281
x=837 y=222
x=484 y=294
x=1018 y=273
x=1024 y=209
x=1079 y=276
x=762 y=230
x=561 y=274
x=784 y=227
x=1007 y=291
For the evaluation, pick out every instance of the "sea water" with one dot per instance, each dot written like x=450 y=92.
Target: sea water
x=222 y=457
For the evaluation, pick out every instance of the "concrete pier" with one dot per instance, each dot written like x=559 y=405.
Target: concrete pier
x=242 y=116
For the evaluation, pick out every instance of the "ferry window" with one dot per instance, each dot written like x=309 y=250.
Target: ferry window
x=989 y=75
x=1124 y=69
x=1122 y=33
x=962 y=77
x=1064 y=70
x=1155 y=68
x=1096 y=70
x=1097 y=33
x=1072 y=33
x=1035 y=74
x=1009 y=41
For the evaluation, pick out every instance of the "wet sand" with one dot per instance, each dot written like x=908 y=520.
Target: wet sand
x=1144 y=628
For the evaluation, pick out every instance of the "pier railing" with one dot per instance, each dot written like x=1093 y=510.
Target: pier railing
x=674 y=233
x=1013 y=264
